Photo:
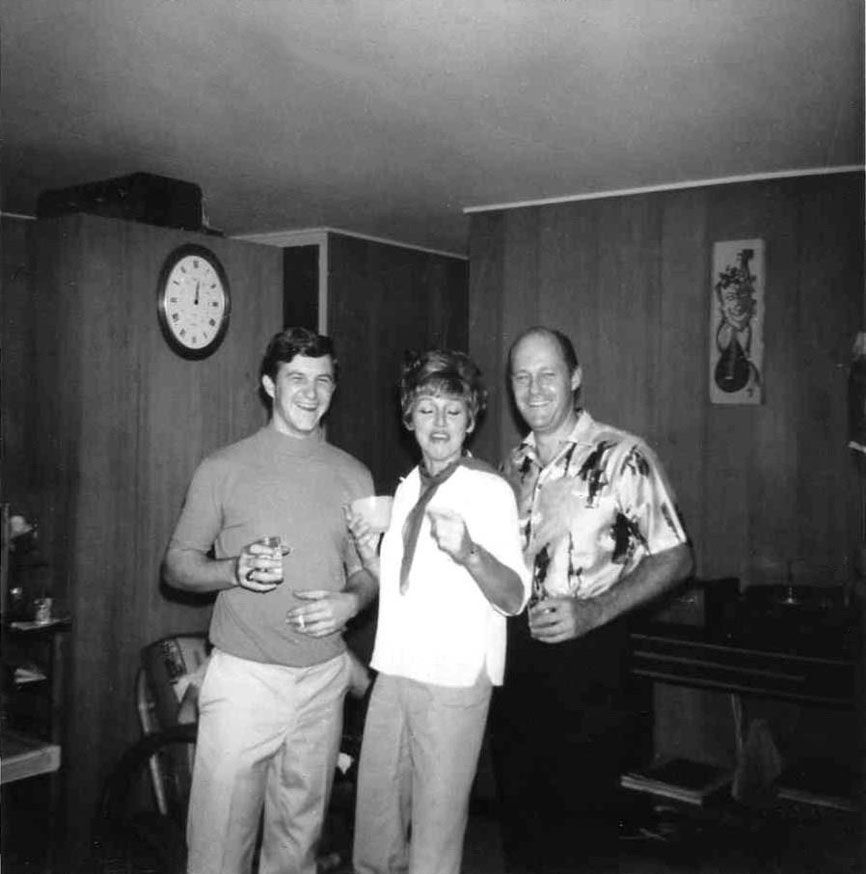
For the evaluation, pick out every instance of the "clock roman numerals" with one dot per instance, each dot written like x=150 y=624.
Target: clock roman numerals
x=194 y=315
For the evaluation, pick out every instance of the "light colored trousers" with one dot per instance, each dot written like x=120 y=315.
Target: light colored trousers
x=418 y=761
x=268 y=735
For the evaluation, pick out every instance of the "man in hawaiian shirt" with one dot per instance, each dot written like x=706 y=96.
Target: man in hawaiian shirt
x=602 y=536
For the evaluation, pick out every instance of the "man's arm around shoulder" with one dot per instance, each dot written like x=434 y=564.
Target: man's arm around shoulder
x=363 y=587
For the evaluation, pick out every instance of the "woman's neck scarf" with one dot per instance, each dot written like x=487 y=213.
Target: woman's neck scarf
x=429 y=485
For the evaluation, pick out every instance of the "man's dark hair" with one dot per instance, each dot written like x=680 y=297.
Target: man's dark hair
x=566 y=347
x=290 y=342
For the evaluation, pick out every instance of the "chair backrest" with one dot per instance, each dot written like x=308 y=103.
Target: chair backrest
x=172 y=669
x=166 y=690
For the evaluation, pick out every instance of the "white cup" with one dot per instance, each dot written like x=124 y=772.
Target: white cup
x=375 y=510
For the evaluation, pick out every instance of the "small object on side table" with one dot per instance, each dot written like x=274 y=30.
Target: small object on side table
x=42 y=611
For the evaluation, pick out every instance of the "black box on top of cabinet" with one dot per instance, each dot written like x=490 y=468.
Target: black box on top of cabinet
x=139 y=197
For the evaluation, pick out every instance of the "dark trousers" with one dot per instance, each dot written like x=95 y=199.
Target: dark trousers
x=558 y=728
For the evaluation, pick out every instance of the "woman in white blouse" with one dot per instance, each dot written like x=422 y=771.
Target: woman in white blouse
x=450 y=571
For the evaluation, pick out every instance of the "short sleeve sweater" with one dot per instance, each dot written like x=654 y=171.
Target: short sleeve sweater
x=267 y=484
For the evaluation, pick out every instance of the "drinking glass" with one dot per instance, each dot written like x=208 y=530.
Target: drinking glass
x=279 y=546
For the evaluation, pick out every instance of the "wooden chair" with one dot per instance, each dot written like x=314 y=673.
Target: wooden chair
x=166 y=690
x=128 y=837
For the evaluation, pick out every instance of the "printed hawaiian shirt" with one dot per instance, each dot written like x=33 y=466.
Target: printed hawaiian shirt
x=600 y=506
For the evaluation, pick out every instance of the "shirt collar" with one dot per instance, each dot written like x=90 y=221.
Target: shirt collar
x=581 y=433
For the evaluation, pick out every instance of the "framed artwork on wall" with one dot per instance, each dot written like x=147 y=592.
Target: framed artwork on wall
x=736 y=348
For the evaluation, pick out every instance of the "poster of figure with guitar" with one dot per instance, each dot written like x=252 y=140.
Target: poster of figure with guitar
x=737 y=322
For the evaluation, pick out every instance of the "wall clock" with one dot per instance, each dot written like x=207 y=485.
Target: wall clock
x=193 y=301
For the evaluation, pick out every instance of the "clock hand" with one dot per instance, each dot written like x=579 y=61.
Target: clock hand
x=196 y=293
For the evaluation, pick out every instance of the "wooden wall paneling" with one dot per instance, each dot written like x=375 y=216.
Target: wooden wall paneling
x=679 y=409
x=40 y=447
x=645 y=280
x=301 y=286
x=520 y=295
x=458 y=309
x=407 y=309
x=726 y=510
x=486 y=247
x=54 y=442
x=430 y=275
x=619 y=393
x=86 y=434
x=443 y=283
x=774 y=455
x=433 y=295
x=382 y=301
x=356 y=421
x=579 y=304
x=396 y=325
x=106 y=497
x=568 y=291
x=829 y=316
x=22 y=423
x=17 y=355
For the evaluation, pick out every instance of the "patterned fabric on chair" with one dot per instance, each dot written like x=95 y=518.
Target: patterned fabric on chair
x=166 y=691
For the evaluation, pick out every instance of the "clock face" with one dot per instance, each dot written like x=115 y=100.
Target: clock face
x=193 y=301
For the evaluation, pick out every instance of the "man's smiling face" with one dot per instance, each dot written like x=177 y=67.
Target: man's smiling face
x=542 y=384
x=301 y=393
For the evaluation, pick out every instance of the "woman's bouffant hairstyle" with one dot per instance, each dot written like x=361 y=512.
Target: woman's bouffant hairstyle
x=442 y=372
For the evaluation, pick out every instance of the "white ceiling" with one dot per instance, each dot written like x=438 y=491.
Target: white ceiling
x=389 y=117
